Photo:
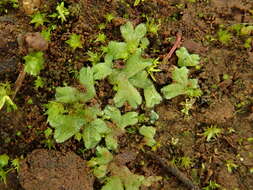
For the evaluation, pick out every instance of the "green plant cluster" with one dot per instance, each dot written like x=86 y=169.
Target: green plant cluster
x=5 y=168
x=75 y=113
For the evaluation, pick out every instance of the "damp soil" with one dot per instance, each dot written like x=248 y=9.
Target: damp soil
x=225 y=103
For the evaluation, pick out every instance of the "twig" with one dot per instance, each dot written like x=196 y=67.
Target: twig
x=174 y=170
x=173 y=49
x=19 y=81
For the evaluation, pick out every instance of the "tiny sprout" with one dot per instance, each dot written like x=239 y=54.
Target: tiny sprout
x=109 y=17
x=39 y=19
x=62 y=12
x=212 y=132
x=101 y=37
x=74 y=41
x=231 y=166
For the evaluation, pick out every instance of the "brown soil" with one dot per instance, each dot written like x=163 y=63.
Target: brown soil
x=227 y=104
x=52 y=170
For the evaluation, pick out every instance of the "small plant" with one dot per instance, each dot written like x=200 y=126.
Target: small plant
x=137 y=2
x=5 y=91
x=231 y=166
x=224 y=36
x=212 y=185
x=101 y=37
x=38 y=19
x=185 y=162
x=151 y=25
x=109 y=17
x=153 y=68
x=181 y=85
x=212 y=132
x=39 y=82
x=187 y=105
x=126 y=80
x=74 y=41
x=62 y=12
x=94 y=57
x=148 y=133
x=34 y=63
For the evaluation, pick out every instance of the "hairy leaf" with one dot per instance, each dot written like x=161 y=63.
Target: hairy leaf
x=186 y=59
x=113 y=183
x=148 y=133
x=34 y=63
x=68 y=95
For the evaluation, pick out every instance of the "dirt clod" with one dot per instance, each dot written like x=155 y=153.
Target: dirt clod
x=35 y=41
x=53 y=170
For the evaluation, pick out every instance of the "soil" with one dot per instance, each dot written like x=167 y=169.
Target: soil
x=225 y=103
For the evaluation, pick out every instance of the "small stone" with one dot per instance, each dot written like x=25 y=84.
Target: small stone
x=35 y=41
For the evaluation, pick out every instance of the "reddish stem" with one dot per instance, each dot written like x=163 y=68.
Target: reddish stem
x=175 y=46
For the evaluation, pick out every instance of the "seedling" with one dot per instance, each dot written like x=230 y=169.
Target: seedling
x=5 y=99
x=231 y=166
x=187 y=105
x=101 y=37
x=74 y=41
x=34 y=63
x=109 y=17
x=211 y=132
x=137 y=2
x=62 y=12
x=39 y=82
x=181 y=85
x=151 y=25
x=212 y=185
x=153 y=68
x=39 y=19
x=94 y=57
x=224 y=36
x=185 y=162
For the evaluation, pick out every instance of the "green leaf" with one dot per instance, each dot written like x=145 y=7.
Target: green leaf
x=136 y=64
x=66 y=126
x=181 y=85
x=148 y=133
x=111 y=142
x=101 y=71
x=68 y=95
x=118 y=50
x=127 y=31
x=140 y=31
x=127 y=93
x=94 y=132
x=152 y=97
x=100 y=171
x=173 y=90
x=86 y=79
x=4 y=160
x=34 y=63
x=113 y=183
x=122 y=121
x=104 y=157
x=74 y=41
x=186 y=59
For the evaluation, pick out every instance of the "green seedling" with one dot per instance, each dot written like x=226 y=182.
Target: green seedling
x=62 y=12
x=109 y=17
x=153 y=68
x=74 y=41
x=38 y=19
x=185 y=162
x=16 y=164
x=181 y=85
x=101 y=37
x=187 y=105
x=151 y=25
x=231 y=166
x=248 y=42
x=212 y=132
x=148 y=133
x=5 y=92
x=212 y=185
x=34 y=63
x=94 y=57
x=186 y=59
x=39 y=82
x=224 y=36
